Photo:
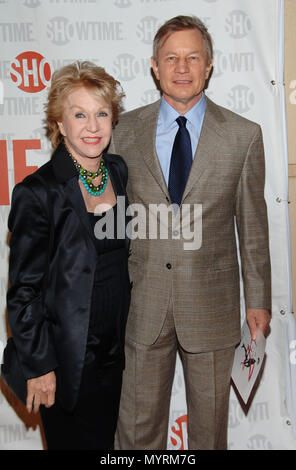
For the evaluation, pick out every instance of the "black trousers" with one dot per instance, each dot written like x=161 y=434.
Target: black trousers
x=92 y=423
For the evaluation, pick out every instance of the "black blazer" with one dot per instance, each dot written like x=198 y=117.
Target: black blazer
x=49 y=321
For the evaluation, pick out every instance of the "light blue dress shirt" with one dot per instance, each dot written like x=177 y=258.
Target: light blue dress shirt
x=167 y=129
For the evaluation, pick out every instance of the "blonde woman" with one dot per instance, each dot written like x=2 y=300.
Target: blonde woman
x=68 y=304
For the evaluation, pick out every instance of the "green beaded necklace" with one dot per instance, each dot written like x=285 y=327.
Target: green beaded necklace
x=87 y=176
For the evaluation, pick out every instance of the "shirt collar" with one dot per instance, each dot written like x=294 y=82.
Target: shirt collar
x=168 y=115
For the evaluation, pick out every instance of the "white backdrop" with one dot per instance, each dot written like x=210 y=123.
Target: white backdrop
x=39 y=36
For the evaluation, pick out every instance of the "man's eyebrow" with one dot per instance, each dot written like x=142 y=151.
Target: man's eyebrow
x=191 y=52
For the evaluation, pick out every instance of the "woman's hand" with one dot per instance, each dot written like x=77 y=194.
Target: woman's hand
x=41 y=391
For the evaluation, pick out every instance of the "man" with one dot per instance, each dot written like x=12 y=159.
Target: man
x=188 y=300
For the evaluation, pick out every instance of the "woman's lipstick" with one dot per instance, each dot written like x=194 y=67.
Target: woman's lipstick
x=91 y=140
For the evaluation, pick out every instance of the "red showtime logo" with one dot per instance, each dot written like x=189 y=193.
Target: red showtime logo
x=30 y=72
x=179 y=433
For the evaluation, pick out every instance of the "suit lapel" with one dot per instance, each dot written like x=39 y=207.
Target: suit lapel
x=66 y=174
x=74 y=195
x=145 y=133
x=114 y=177
x=212 y=131
x=119 y=190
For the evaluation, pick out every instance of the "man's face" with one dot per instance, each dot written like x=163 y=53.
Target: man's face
x=182 y=68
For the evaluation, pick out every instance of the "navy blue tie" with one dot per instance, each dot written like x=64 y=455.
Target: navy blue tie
x=181 y=161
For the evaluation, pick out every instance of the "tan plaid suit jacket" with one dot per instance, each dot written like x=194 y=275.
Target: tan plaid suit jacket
x=227 y=179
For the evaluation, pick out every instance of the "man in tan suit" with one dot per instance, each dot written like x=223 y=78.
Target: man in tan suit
x=187 y=298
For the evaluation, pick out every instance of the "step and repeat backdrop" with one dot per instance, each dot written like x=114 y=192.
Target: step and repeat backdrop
x=39 y=36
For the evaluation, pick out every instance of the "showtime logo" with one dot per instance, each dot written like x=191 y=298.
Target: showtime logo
x=179 y=433
x=30 y=72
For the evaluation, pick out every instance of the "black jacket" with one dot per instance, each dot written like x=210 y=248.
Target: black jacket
x=49 y=315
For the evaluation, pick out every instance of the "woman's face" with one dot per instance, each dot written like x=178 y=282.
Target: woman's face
x=86 y=125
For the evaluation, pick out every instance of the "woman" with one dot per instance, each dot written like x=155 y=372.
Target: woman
x=70 y=290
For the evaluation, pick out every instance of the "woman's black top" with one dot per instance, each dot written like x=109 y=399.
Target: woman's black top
x=110 y=297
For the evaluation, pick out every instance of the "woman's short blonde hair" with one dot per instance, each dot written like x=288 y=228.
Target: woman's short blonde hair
x=71 y=77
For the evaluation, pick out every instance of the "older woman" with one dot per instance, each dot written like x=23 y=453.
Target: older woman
x=69 y=290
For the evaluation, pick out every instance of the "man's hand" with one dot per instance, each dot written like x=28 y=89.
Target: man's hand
x=258 y=317
x=41 y=391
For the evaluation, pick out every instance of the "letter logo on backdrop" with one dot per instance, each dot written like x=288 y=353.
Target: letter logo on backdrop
x=122 y=3
x=179 y=433
x=30 y=72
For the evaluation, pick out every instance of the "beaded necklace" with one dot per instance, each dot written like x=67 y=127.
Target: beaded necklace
x=87 y=176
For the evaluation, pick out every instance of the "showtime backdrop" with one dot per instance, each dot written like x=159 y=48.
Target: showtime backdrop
x=39 y=36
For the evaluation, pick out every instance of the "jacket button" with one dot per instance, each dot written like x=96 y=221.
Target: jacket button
x=169 y=266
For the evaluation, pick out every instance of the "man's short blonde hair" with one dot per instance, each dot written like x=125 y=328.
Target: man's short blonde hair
x=180 y=23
